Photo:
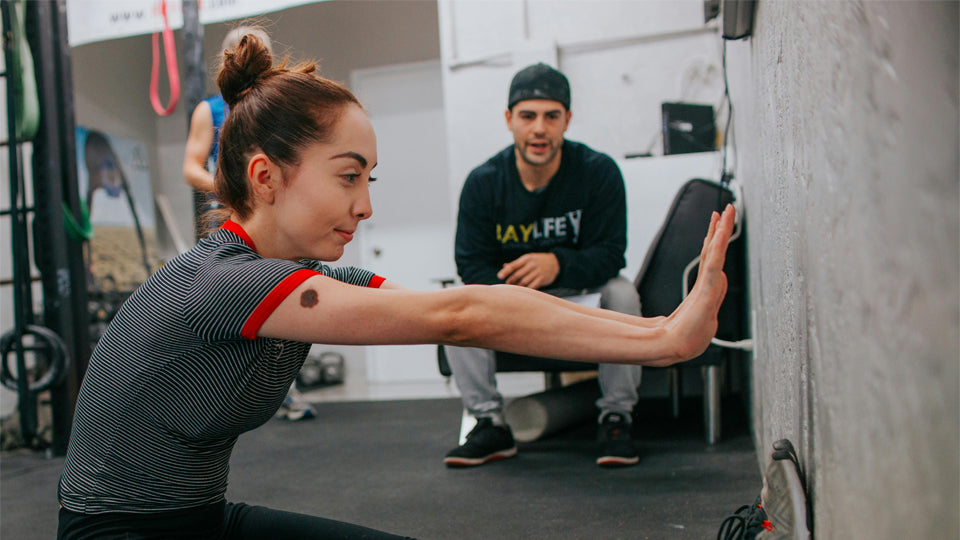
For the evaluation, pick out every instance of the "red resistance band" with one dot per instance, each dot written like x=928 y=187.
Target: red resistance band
x=173 y=75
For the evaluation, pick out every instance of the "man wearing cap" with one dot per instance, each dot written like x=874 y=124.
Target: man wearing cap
x=549 y=214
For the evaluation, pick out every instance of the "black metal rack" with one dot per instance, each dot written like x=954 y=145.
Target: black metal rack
x=57 y=336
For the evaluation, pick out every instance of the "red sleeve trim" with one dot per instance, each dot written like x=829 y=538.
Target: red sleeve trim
x=236 y=229
x=376 y=281
x=272 y=300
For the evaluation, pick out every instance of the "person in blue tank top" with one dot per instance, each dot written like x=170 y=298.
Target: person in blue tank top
x=218 y=111
x=200 y=156
x=203 y=140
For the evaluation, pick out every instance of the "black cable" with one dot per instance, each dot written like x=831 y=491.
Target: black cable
x=725 y=174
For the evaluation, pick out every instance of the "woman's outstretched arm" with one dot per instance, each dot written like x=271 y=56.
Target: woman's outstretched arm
x=509 y=318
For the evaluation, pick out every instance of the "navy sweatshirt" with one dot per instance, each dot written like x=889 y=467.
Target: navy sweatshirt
x=581 y=217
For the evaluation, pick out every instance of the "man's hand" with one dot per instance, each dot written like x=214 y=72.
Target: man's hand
x=532 y=270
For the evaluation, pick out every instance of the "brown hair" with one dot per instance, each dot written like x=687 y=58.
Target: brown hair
x=277 y=110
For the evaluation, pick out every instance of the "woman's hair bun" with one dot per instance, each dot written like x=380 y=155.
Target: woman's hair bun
x=242 y=67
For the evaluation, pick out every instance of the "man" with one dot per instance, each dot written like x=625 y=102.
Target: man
x=549 y=214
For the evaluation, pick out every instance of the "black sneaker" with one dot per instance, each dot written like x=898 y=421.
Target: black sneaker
x=486 y=442
x=616 y=443
x=746 y=523
x=782 y=508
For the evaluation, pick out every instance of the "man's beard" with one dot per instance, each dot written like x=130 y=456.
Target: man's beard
x=542 y=159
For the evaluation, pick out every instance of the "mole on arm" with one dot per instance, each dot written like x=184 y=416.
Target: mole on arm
x=309 y=298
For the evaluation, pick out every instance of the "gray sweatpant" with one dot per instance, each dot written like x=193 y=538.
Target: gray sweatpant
x=474 y=369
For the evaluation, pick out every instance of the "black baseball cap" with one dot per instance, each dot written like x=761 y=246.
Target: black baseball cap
x=539 y=81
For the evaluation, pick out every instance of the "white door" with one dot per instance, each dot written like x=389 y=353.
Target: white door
x=409 y=239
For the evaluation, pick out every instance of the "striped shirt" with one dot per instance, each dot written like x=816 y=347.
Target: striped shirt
x=180 y=374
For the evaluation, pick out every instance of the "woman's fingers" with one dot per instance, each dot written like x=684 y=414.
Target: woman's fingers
x=721 y=229
x=725 y=229
x=710 y=279
x=696 y=317
x=711 y=230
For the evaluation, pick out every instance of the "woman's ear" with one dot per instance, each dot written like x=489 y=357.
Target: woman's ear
x=264 y=177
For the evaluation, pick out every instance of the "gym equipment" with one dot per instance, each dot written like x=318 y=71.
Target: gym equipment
x=545 y=413
x=170 y=53
x=321 y=369
x=60 y=343
x=194 y=88
x=45 y=341
x=23 y=86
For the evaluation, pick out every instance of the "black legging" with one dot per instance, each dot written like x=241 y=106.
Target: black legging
x=216 y=521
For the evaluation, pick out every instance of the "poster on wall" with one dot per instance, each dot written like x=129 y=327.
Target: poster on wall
x=95 y=20
x=114 y=180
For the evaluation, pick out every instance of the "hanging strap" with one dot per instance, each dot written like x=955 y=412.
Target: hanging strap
x=170 y=52
x=78 y=230
x=23 y=81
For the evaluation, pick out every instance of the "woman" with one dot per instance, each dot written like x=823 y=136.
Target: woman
x=208 y=346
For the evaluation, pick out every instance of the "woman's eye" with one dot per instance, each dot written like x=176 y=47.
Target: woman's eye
x=352 y=178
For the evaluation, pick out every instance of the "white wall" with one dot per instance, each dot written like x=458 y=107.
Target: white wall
x=409 y=239
x=623 y=59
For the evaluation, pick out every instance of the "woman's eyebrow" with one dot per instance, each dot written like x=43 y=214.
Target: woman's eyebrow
x=362 y=160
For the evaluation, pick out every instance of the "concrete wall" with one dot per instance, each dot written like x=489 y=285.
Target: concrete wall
x=847 y=143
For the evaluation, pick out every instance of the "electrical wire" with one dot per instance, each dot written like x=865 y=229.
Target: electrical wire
x=726 y=176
